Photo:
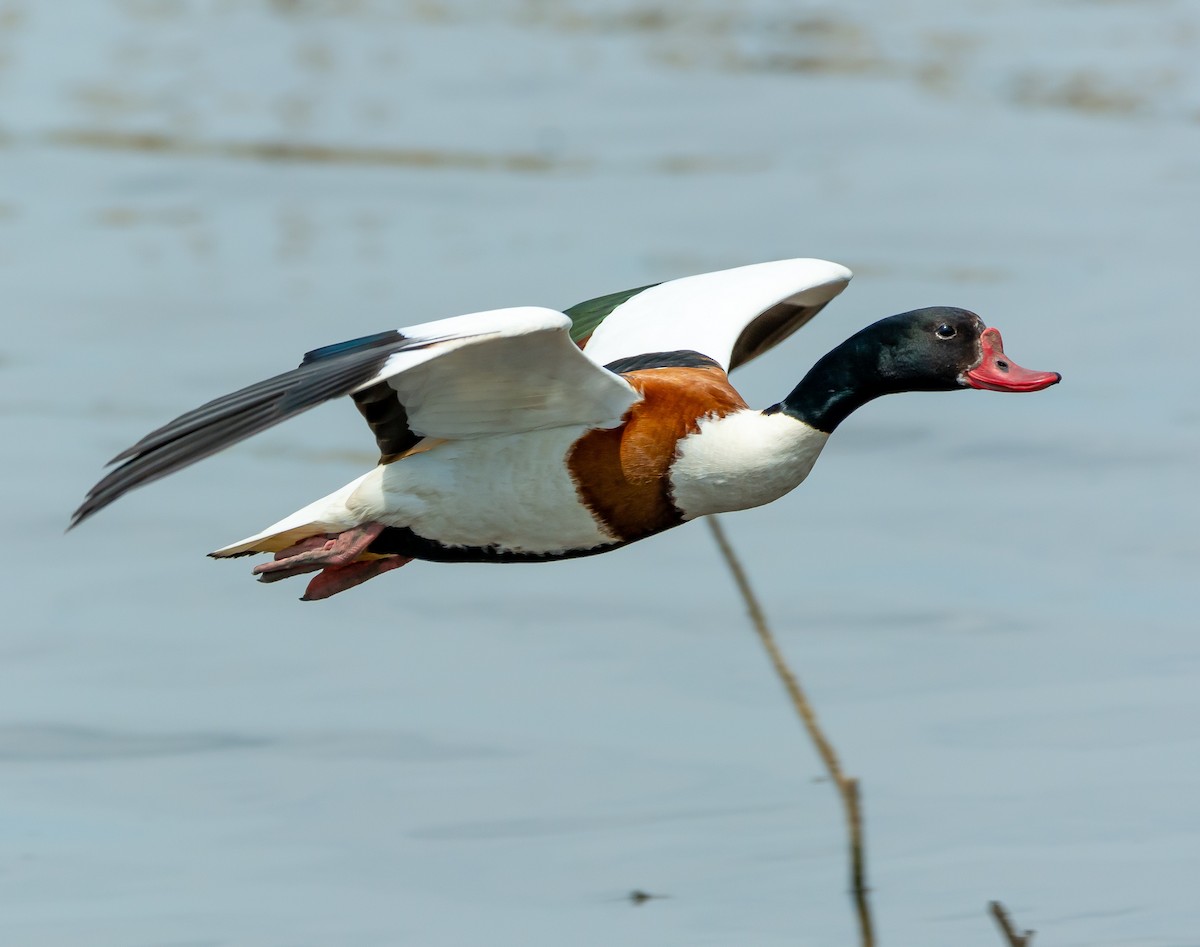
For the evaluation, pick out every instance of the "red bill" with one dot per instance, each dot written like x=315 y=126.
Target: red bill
x=997 y=372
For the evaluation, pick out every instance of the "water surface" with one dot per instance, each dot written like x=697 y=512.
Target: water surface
x=991 y=599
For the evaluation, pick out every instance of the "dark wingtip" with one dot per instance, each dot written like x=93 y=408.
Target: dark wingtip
x=85 y=510
x=90 y=506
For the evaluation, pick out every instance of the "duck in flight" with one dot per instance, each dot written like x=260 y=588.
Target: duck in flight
x=528 y=434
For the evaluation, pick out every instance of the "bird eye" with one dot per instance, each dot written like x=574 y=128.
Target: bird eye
x=945 y=331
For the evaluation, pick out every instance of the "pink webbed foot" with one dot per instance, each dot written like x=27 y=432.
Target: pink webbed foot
x=335 y=557
x=334 y=579
x=315 y=553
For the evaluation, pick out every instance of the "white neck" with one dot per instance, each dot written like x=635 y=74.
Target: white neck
x=742 y=460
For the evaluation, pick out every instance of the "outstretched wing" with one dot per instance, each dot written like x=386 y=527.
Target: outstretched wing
x=506 y=370
x=731 y=316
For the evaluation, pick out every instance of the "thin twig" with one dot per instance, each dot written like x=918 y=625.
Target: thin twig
x=847 y=786
x=1006 y=926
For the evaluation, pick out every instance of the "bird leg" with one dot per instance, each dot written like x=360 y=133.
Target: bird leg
x=316 y=552
x=335 y=556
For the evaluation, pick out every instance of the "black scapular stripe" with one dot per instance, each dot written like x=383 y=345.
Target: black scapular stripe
x=388 y=419
x=680 y=358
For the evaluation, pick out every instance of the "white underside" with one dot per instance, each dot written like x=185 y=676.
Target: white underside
x=512 y=491
x=741 y=461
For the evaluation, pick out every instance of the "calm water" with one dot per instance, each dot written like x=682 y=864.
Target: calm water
x=991 y=599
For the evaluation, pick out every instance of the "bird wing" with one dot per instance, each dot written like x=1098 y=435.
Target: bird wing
x=731 y=316
x=501 y=371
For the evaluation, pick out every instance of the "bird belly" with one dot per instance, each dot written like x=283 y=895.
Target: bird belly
x=511 y=492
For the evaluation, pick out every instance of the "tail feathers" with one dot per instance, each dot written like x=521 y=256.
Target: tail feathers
x=268 y=541
x=330 y=514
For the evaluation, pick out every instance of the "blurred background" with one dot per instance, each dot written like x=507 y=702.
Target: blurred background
x=991 y=599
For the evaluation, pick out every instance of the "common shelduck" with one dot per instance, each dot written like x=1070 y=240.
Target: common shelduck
x=528 y=434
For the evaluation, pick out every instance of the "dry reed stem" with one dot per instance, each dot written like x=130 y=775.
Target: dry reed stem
x=847 y=786
x=1005 y=924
